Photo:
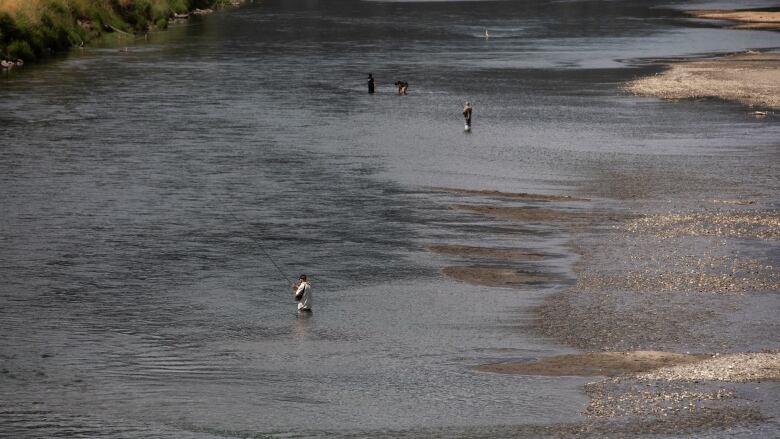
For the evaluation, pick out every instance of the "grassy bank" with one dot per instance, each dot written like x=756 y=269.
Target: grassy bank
x=34 y=29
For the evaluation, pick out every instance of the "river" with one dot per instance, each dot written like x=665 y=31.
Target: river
x=143 y=192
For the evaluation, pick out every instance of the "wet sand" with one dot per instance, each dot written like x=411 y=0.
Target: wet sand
x=520 y=214
x=594 y=364
x=749 y=78
x=486 y=252
x=504 y=277
x=600 y=428
x=745 y=19
x=510 y=195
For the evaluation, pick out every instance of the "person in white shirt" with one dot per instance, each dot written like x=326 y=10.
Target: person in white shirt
x=467 y=110
x=303 y=294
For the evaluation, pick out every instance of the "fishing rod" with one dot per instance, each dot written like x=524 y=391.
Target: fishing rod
x=259 y=244
x=268 y=255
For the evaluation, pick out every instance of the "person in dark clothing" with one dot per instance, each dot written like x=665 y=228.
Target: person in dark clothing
x=370 y=83
x=402 y=86
x=467 y=115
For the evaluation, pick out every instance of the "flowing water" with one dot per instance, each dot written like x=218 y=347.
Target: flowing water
x=142 y=190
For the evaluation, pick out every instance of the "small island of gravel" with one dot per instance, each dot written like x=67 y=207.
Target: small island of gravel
x=752 y=79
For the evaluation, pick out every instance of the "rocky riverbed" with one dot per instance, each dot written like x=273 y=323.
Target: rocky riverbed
x=672 y=307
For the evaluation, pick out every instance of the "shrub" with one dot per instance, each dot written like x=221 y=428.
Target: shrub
x=20 y=49
x=30 y=29
x=8 y=29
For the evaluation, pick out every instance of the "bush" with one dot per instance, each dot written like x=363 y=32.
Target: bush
x=20 y=50
x=54 y=25
x=178 y=6
x=55 y=32
x=202 y=3
x=8 y=29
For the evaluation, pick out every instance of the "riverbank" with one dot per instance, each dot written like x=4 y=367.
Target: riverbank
x=36 y=29
x=699 y=280
x=748 y=78
x=743 y=19
x=681 y=282
x=670 y=308
x=700 y=277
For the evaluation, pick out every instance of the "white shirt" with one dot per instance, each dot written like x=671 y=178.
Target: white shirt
x=305 y=302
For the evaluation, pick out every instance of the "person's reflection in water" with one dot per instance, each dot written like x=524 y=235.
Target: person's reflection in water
x=302 y=293
x=301 y=327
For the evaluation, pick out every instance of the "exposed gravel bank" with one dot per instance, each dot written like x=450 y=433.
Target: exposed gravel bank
x=752 y=79
x=737 y=368
x=663 y=285
x=702 y=281
x=745 y=19
x=594 y=364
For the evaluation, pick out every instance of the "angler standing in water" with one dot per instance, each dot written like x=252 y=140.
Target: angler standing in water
x=402 y=86
x=467 y=115
x=370 y=84
x=302 y=293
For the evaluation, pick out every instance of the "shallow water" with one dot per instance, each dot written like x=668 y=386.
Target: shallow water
x=141 y=190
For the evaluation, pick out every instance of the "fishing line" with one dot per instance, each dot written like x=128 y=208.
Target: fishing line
x=259 y=244
x=268 y=255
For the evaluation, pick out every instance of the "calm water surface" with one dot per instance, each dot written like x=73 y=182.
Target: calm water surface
x=141 y=189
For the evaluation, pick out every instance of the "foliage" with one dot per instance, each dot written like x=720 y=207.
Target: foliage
x=31 y=29
x=20 y=50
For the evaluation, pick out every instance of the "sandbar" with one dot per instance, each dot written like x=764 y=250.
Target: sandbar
x=510 y=195
x=519 y=213
x=494 y=276
x=485 y=252
x=746 y=19
x=752 y=79
x=594 y=364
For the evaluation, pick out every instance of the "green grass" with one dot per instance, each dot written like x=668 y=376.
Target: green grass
x=34 y=29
